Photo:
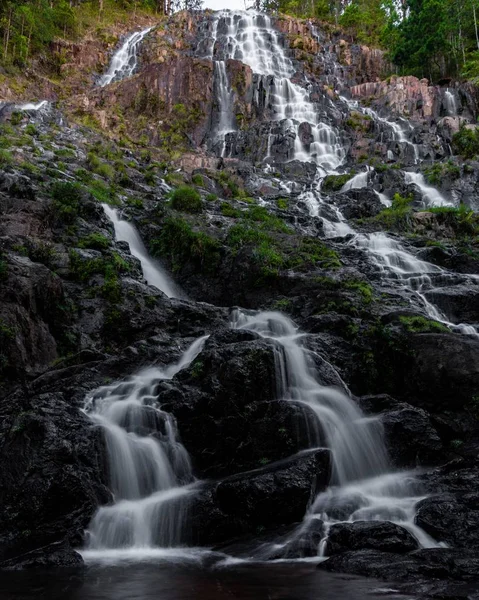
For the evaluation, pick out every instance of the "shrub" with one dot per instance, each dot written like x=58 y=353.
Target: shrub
x=466 y=142
x=66 y=200
x=181 y=245
x=186 y=199
x=197 y=179
x=96 y=241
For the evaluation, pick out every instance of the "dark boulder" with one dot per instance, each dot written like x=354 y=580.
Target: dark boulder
x=460 y=303
x=227 y=408
x=246 y=503
x=451 y=518
x=410 y=436
x=359 y=203
x=372 y=535
x=52 y=477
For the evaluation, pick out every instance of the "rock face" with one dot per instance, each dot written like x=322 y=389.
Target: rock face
x=362 y=535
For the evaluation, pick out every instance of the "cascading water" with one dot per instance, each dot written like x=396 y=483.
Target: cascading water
x=125 y=60
x=431 y=196
x=356 y=182
x=152 y=271
x=363 y=485
x=251 y=39
x=226 y=121
x=149 y=470
x=450 y=102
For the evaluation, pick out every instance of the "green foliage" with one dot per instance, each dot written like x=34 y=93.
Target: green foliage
x=282 y=203
x=211 y=197
x=466 y=142
x=312 y=252
x=418 y=324
x=6 y=158
x=198 y=180
x=398 y=215
x=261 y=215
x=99 y=167
x=66 y=201
x=103 y=193
x=186 y=199
x=229 y=211
x=181 y=245
x=437 y=172
x=333 y=183
x=96 y=241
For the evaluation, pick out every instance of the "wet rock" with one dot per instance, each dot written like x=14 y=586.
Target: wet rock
x=410 y=436
x=226 y=405
x=54 y=485
x=358 y=204
x=373 y=535
x=460 y=303
x=306 y=541
x=451 y=518
x=273 y=495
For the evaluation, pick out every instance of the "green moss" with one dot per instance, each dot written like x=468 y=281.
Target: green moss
x=333 y=183
x=261 y=215
x=312 y=252
x=282 y=203
x=418 y=324
x=211 y=197
x=186 y=199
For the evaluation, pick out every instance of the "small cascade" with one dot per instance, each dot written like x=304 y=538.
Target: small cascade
x=125 y=60
x=450 y=102
x=356 y=182
x=394 y=262
x=149 y=470
x=29 y=106
x=363 y=485
x=251 y=38
x=431 y=196
x=152 y=270
x=224 y=94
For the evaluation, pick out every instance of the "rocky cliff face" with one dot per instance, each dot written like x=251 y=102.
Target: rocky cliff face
x=286 y=213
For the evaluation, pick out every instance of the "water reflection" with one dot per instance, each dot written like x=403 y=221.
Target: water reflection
x=282 y=581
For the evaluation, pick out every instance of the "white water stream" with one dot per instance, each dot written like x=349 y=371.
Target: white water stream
x=363 y=485
x=125 y=60
x=154 y=274
x=149 y=470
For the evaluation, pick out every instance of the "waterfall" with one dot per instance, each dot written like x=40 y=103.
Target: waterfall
x=430 y=195
x=149 y=470
x=363 y=484
x=125 y=60
x=224 y=93
x=450 y=102
x=152 y=270
x=251 y=38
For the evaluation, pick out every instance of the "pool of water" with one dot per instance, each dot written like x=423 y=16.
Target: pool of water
x=173 y=581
